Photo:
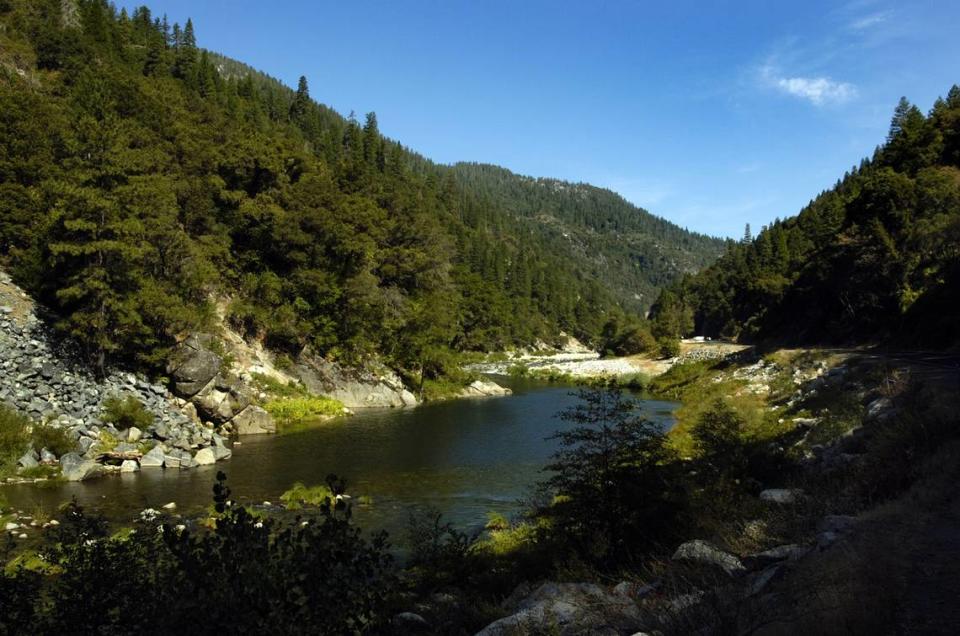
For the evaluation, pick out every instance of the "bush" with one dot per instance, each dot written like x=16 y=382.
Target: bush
x=614 y=487
x=14 y=438
x=126 y=412
x=299 y=495
x=56 y=440
x=246 y=575
x=669 y=347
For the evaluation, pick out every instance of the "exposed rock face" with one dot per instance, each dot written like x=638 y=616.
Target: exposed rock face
x=355 y=388
x=704 y=552
x=193 y=365
x=215 y=396
x=484 y=388
x=569 y=608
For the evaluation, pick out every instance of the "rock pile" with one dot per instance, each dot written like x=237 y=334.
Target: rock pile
x=42 y=379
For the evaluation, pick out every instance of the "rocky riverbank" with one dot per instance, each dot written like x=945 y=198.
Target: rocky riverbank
x=41 y=378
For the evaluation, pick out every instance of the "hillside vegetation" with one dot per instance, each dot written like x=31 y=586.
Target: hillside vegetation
x=144 y=179
x=876 y=257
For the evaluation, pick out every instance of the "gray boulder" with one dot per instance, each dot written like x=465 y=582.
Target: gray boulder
x=569 y=608
x=253 y=420
x=129 y=466
x=47 y=457
x=704 y=552
x=73 y=467
x=193 y=365
x=154 y=458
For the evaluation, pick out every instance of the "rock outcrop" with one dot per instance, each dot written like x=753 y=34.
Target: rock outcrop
x=214 y=393
x=484 y=388
x=355 y=388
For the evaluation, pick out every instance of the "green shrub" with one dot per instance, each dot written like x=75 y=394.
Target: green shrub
x=56 y=440
x=668 y=347
x=299 y=495
x=246 y=575
x=126 y=412
x=14 y=438
x=614 y=473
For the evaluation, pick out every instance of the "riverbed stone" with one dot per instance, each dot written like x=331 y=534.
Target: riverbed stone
x=73 y=467
x=129 y=466
x=253 y=420
x=205 y=456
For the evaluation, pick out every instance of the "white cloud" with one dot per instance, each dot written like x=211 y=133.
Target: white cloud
x=871 y=20
x=818 y=90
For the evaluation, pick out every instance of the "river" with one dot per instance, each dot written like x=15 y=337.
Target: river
x=463 y=458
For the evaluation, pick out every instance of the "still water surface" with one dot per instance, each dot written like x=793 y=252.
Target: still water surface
x=463 y=458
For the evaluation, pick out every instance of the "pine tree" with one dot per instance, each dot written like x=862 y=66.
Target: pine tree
x=301 y=101
x=186 y=55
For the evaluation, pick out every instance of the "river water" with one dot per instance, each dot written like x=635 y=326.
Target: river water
x=463 y=458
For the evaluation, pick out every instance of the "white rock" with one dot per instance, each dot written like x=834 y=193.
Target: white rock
x=129 y=466
x=205 y=456
x=170 y=506
x=705 y=552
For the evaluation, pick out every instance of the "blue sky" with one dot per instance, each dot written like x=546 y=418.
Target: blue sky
x=709 y=114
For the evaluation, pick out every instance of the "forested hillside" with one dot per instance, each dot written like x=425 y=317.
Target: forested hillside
x=634 y=252
x=875 y=258
x=144 y=180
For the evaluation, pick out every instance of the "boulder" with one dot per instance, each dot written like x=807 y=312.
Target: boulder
x=484 y=388
x=129 y=466
x=205 y=456
x=790 y=552
x=47 y=457
x=221 y=452
x=154 y=458
x=782 y=496
x=73 y=467
x=134 y=434
x=704 y=552
x=569 y=608
x=193 y=365
x=253 y=420
x=214 y=405
x=408 y=622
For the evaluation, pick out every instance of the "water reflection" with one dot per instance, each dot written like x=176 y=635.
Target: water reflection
x=463 y=458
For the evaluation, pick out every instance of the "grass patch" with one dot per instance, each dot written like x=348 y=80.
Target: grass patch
x=42 y=471
x=278 y=388
x=295 y=410
x=14 y=439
